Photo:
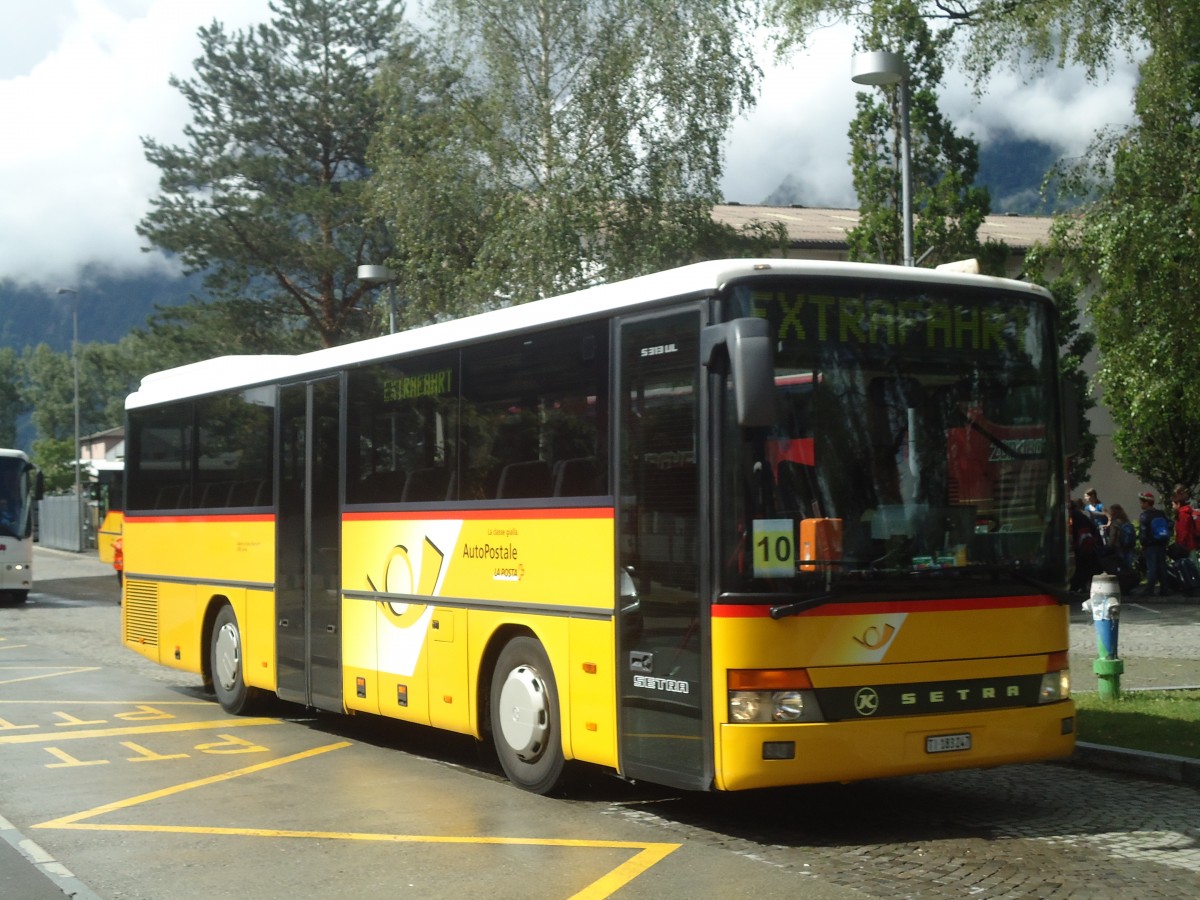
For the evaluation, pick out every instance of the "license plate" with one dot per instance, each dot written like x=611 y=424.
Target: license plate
x=944 y=743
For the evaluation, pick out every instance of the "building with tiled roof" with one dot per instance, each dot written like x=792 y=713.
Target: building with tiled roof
x=817 y=233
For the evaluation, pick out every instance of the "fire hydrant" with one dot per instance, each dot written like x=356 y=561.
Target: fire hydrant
x=1105 y=604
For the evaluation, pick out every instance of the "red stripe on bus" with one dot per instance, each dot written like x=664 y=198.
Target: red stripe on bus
x=223 y=517
x=753 y=611
x=583 y=512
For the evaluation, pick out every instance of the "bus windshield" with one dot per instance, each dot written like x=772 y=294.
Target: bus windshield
x=16 y=497
x=916 y=444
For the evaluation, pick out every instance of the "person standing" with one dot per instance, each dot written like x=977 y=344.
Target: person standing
x=1085 y=541
x=1154 y=540
x=1123 y=534
x=1185 y=521
x=1094 y=508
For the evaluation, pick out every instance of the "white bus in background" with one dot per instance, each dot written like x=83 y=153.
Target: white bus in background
x=20 y=488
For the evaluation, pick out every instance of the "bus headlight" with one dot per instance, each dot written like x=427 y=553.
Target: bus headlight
x=773 y=706
x=1055 y=686
x=772 y=695
x=1056 y=683
x=744 y=706
x=787 y=706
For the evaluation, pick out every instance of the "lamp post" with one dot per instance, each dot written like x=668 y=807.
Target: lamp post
x=882 y=68
x=374 y=276
x=75 y=367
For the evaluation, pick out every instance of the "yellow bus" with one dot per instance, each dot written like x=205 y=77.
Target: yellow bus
x=739 y=524
x=108 y=484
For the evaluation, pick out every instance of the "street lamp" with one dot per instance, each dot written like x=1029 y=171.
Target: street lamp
x=75 y=366
x=882 y=68
x=373 y=276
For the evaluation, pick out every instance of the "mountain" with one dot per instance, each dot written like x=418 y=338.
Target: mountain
x=1011 y=168
x=109 y=308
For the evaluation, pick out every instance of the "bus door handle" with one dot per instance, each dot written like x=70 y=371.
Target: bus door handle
x=332 y=629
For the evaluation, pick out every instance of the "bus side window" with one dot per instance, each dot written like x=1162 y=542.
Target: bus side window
x=534 y=410
x=402 y=430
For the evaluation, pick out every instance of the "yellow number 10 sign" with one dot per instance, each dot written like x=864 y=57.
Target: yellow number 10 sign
x=774 y=547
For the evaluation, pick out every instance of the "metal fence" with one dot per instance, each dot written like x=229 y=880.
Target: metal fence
x=58 y=523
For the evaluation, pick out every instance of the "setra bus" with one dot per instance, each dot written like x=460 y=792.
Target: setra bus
x=20 y=489
x=109 y=487
x=739 y=524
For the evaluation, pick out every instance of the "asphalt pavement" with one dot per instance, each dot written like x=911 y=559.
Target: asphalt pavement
x=27 y=872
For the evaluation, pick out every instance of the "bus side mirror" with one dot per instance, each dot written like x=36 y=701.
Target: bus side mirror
x=1070 y=418
x=744 y=345
x=39 y=485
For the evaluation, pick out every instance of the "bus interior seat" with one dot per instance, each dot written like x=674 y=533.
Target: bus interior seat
x=170 y=496
x=530 y=478
x=576 y=477
x=216 y=495
x=383 y=487
x=427 y=485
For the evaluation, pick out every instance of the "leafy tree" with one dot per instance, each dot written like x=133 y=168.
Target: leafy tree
x=1075 y=343
x=267 y=197
x=581 y=142
x=11 y=403
x=1137 y=244
x=948 y=209
x=1024 y=34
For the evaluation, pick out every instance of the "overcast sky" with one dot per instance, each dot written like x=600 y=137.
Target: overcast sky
x=81 y=81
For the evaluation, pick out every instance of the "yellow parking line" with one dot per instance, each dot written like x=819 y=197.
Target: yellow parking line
x=55 y=672
x=649 y=853
x=46 y=737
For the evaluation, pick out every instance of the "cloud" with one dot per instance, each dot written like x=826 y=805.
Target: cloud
x=85 y=82
x=799 y=127
x=82 y=81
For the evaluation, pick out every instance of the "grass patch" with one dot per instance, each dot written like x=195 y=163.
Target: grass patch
x=1158 y=721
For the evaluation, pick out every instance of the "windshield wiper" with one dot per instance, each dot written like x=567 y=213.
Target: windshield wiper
x=799 y=606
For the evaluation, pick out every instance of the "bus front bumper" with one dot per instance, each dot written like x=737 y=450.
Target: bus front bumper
x=770 y=755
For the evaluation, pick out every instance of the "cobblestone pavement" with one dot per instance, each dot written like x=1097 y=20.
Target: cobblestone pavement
x=1015 y=832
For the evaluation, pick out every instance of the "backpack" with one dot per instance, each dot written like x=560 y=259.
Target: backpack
x=1160 y=529
x=1126 y=536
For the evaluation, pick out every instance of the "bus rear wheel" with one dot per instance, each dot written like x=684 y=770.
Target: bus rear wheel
x=226 y=662
x=526 y=727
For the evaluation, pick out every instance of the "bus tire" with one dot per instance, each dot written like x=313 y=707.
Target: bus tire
x=226 y=661
x=526 y=726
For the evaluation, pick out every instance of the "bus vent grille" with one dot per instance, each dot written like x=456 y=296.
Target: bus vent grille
x=141 y=613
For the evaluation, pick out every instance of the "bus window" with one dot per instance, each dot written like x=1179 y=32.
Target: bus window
x=533 y=417
x=403 y=423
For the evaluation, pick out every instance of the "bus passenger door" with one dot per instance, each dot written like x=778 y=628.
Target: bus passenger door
x=308 y=552
x=661 y=663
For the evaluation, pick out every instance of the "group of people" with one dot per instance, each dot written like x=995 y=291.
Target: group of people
x=1106 y=540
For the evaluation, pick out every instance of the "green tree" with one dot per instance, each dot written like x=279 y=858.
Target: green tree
x=586 y=135
x=1075 y=343
x=267 y=196
x=947 y=206
x=1024 y=34
x=1136 y=244
x=11 y=402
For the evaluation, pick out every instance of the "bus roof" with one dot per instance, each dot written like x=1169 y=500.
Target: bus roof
x=696 y=280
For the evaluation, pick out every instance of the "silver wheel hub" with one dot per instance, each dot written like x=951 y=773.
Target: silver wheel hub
x=524 y=713
x=227 y=657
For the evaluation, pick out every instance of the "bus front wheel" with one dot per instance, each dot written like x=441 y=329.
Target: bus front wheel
x=526 y=727
x=226 y=661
